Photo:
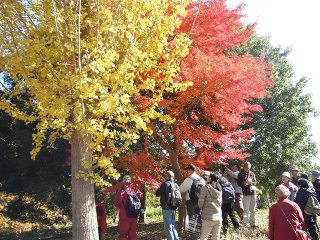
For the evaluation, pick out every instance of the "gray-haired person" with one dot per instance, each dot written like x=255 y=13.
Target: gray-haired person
x=168 y=211
x=247 y=181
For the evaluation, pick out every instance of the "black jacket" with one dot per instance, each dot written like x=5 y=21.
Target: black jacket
x=163 y=191
x=316 y=186
x=302 y=199
x=242 y=177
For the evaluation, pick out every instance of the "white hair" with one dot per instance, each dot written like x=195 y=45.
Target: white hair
x=282 y=191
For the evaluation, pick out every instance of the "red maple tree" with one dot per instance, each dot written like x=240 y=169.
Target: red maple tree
x=209 y=114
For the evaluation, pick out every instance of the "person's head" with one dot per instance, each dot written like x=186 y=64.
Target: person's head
x=285 y=177
x=126 y=179
x=315 y=174
x=282 y=192
x=234 y=168
x=303 y=183
x=305 y=176
x=206 y=176
x=294 y=171
x=169 y=175
x=191 y=168
x=247 y=166
x=213 y=178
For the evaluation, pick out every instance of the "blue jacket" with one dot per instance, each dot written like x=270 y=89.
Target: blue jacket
x=302 y=199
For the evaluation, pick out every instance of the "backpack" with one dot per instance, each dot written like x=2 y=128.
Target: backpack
x=133 y=207
x=312 y=207
x=195 y=190
x=228 y=193
x=173 y=197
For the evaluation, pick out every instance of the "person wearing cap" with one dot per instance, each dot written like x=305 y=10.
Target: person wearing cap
x=279 y=229
x=168 y=212
x=315 y=179
x=247 y=181
x=285 y=178
x=127 y=225
x=294 y=175
x=185 y=187
x=306 y=177
x=232 y=176
x=302 y=199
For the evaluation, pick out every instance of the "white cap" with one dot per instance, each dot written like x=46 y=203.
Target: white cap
x=286 y=174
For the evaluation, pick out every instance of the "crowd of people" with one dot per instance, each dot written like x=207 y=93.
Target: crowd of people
x=288 y=217
x=212 y=197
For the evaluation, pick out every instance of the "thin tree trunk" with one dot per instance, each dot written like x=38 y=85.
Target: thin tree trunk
x=182 y=215
x=182 y=208
x=84 y=218
x=268 y=199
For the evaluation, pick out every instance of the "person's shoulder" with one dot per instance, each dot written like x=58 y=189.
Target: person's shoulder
x=316 y=183
x=273 y=207
x=294 y=205
x=167 y=183
x=188 y=179
x=211 y=188
x=194 y=176
x=311 y=191
x=292 y=185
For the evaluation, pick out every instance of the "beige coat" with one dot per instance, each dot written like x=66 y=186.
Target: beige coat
x=210 y=203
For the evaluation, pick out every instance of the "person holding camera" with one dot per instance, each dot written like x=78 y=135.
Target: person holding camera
x=247 y=181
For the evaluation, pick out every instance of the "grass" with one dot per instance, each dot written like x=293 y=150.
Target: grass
x=153 y=230
x=261 y=232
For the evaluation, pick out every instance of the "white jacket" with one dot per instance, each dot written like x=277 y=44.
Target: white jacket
x=186 y=185
x=233 y=177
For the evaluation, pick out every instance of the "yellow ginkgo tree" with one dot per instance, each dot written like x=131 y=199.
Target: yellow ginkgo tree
x=93 y=71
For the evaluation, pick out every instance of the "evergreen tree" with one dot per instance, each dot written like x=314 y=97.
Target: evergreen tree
x=282 y=138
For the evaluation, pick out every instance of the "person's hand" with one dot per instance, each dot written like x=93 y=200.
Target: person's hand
x=249 y=181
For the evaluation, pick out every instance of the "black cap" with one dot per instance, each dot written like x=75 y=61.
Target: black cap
x=305 y=176
x=302 y=182
x=191 y=167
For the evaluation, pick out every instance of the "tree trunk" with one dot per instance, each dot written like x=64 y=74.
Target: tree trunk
x=268 y=199
x=182 y=215
x=182 y=208
x=84 y=217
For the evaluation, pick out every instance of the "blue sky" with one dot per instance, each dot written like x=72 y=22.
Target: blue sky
x=295 y=24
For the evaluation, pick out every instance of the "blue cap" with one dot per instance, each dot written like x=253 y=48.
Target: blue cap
x=305 y=176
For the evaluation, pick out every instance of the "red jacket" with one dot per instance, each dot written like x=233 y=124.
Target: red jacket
x=279 y=228
x=101 y=217
x=121 y=199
